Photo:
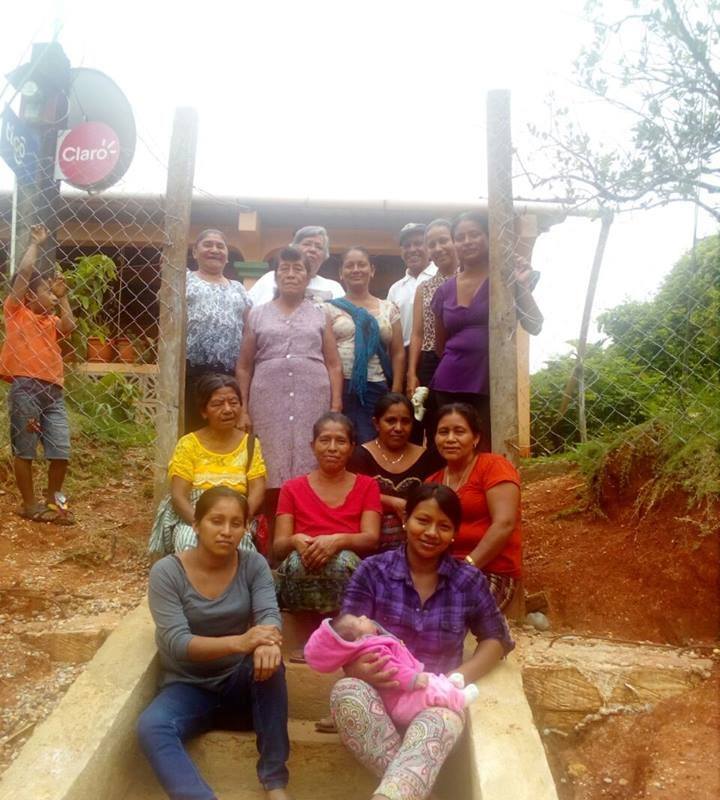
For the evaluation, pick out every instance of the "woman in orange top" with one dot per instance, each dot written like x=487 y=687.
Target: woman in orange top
x=489 y=489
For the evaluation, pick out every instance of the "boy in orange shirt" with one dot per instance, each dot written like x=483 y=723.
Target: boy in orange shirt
x=31 y=360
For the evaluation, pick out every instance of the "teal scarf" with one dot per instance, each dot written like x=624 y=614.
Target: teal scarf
x=367 y=344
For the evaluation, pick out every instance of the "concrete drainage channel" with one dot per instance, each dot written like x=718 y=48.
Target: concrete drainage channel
x=86 y=748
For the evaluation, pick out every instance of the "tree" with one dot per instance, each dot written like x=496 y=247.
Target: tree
x=658 y=67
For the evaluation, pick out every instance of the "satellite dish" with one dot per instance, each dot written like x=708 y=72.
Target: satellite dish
x=94 y=97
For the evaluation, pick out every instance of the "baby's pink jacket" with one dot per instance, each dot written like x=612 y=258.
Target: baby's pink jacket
x=327 y=652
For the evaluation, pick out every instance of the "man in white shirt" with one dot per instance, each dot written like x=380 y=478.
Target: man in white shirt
x=314 y=243
x=418 y=269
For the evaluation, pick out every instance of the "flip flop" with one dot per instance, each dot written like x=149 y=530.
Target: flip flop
x=297 y=657
x=325 y=725
x=49 y=513
x=31 y=513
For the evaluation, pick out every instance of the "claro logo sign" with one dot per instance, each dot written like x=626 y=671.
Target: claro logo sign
x=86 y=154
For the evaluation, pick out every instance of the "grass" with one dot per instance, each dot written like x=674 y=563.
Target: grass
x=680 y=447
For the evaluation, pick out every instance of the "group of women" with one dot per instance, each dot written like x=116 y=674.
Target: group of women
x=426 y=540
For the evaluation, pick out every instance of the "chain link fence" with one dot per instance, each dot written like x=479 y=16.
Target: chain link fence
x=108 y=248
x=646 y=385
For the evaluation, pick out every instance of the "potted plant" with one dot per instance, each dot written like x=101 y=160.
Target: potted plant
x=88 y=281
x=99 y=348
x=125 y=350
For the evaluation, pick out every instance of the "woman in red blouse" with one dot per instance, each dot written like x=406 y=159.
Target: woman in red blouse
x=326 y=520
x=489 y=489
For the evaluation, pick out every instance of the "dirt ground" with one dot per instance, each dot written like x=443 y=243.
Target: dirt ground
x=49 y=573
x=671 y=753
x=652 y=579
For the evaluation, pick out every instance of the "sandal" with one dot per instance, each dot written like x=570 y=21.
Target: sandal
x=297 y=657
x=325 y=725
x=49 y=513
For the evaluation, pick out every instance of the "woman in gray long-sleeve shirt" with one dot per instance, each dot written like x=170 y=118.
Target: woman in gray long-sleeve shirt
x=218 y=633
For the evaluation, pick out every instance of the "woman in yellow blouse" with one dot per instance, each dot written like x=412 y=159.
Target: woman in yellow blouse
x=215 y=455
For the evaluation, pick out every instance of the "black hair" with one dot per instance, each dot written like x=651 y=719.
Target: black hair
x=34 y=280
x=208 y=384
x=359 y=247
x=291 y=254
x=391 y=399
x=342 y=630
x=205 y=233
x=334 y=416
x=440 y=222
x=470 y=216
x=209 y=498
x=467 y=412
x=444 y=496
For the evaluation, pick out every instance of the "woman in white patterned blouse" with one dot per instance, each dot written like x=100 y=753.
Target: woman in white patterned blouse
x=217 y=310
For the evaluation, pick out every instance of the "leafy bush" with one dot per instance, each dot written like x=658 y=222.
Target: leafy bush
x=105 y=409
x=652 y=387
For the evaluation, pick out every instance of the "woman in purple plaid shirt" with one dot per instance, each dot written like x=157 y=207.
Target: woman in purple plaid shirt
x=425 y=597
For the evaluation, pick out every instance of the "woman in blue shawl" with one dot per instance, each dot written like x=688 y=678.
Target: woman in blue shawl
x=369 y=340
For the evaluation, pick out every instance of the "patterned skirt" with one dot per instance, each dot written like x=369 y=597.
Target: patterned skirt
x=321 y=591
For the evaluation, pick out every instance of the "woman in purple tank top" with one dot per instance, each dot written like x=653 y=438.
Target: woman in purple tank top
x=461 y=306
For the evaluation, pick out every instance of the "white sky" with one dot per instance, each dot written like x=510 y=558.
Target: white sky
x=358 y=100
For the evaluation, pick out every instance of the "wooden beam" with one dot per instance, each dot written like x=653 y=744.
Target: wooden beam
x=526 y=229
x=503 y=319
x=171 y=342
x=523 y=392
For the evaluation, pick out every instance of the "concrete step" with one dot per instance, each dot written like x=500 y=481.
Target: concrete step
x=320 y=767
x=87 y=748
x=308 y=691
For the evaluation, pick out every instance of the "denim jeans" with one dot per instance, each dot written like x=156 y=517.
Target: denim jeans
x=31 y=398
x=183 y=710
x=361 y=415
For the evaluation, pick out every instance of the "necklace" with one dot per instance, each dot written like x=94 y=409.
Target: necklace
x=463 y=477
x=385 y=458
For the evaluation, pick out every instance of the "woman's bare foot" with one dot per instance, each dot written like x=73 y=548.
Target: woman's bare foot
x=278 y=794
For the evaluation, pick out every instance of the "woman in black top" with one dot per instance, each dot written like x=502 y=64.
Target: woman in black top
x=395 y=462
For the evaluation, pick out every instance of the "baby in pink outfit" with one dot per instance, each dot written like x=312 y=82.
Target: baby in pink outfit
x=343 y=640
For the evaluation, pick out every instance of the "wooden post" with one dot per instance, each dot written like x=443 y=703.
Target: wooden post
x=607 y=219
x=523 y=392
x=526 y=229
x=171 y=340
x=503 y=320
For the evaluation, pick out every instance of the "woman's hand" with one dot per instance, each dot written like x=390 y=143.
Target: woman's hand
x=266 y=660
x=398 y=505
x=371 y=669
x=319 y=551
x=522 y=272
x=300 y=542
x=258 y=636
x=244 y=422
x=412 y=384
